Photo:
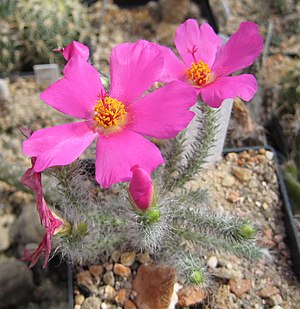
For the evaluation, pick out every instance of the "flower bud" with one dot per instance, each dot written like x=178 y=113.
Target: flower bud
x=75 y=48
x=197 y=276
x=64 y=227
x=141 y=188
x=247 y=231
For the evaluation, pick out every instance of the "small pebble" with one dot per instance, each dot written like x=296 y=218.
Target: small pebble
x=122 y=270
x=91 y=303
x=242 y=174
x=269 y=155
x=96 y=270
x=79 y=299
x=121 y=296
x=127 y=258
x=276 y=300
x=84 y=277
x=212 y=261
x=109 y=278
x=228 y=181
x=109 y=292
x=143 y=257
x=233 y=197
x=116 y=256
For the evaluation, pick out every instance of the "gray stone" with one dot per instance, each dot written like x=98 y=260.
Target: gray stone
x=6 y=223
x=109 y=292
x=212 y=261
x=228 y=181
x=223 y=272
x=28 y=228
x=16 y=282
x=91 y=303
x=109 y=278
x=143 y=257
x=276 y=300
x=4 y=90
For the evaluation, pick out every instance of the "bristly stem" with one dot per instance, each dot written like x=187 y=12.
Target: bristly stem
x=173 y=154
x=204 y=140
x=247 y=249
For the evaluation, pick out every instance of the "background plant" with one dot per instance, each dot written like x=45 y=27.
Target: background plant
x=30 y=30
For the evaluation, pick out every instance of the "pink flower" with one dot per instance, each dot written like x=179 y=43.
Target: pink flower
x=51 y=223
x=117 y=120
x=141 y=189
x=206 y=63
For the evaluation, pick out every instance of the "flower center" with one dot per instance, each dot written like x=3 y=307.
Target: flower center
x=199 y=73
x=109 y=112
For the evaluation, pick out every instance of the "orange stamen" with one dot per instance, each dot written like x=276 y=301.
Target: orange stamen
x=109 y=112
x=198 y=73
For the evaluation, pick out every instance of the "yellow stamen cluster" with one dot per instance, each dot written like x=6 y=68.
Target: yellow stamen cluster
x=109 y=112
x=198 y=73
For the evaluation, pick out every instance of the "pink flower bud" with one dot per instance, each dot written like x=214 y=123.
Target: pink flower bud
x=75 y=48
x=141 y=189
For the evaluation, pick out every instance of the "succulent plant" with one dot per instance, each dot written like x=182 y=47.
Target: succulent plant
x=48 y=24
x=36 y=27
x=7 y=7
x=9 y=45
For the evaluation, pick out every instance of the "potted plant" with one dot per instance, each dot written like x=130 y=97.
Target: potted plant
x=139 y=127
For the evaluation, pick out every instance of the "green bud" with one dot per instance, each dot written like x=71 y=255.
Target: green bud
x=197 y=276
x=152 y=215
x=80 y=230
x=247 y=231
x=64 y=230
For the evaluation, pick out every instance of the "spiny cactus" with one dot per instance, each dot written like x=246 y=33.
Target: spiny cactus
x=47 y=24
x=10 y=52
x=7 y=7
x=39 y=26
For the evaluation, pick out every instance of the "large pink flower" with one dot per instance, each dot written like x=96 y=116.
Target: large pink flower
x=51 y=223
x=118 y=119
x=206 y=63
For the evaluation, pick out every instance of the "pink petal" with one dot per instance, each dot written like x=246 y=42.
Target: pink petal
x=117 y=153
x=76 y=48
x=43 y=248
x=164 y=112
x=58 y=145
x=243 y=86
x=75 y=94
x=134 y=68
x=173 y=69
x=240 y=51
x=189 y=37
x=141 y=188
x=33 y=181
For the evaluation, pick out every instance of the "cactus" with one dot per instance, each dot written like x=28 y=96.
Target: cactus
x=7 y=7
x=10 y=52
x=292 y=183
x=37 y=27
x=47 y=24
